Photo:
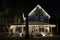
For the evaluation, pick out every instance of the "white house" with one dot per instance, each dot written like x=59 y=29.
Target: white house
x=38 y=23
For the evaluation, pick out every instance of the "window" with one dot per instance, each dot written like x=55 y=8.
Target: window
x=41 y=29
x=19 y=29
x=18 y=20
x=42 y=18
x=46 y=30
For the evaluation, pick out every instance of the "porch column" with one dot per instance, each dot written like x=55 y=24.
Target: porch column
x=51 y=30
x=14 y=29
x=48 y=28
x=44 y=28
x=22 y=29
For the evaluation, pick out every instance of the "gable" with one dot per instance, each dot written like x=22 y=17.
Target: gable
x=38 y=17
x=38 y=8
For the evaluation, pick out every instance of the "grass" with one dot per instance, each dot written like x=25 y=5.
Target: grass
x=55 y=37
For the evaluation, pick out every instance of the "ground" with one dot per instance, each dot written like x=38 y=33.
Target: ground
x=41 y=38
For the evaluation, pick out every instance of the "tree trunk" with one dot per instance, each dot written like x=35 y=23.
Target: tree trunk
x=27 y=27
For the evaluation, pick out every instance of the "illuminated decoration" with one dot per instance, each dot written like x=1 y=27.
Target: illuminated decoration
x=33 y=28
x=43 y=34
x=24 y=17
x=39 y=8
x=32 y=12
x=12 y=26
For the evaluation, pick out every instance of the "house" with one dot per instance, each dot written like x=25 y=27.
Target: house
x=38 y=23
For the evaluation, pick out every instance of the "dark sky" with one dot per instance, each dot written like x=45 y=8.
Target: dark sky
x=49 y=5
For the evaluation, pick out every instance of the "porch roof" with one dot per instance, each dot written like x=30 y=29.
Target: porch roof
x=33 y=26
x=36 y=23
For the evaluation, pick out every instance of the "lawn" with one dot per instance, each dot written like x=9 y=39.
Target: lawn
x=41 y=38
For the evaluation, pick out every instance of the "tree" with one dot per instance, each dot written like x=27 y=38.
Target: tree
x=27 y=27
x=14 y=7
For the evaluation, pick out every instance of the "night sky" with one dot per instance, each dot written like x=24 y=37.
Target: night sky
x=27 y=5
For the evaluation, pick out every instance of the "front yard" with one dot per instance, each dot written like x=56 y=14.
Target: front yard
x=41 y=38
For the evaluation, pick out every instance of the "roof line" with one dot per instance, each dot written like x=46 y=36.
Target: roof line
x=40 y=8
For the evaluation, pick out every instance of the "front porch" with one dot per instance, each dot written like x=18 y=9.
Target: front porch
x=34 y=30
